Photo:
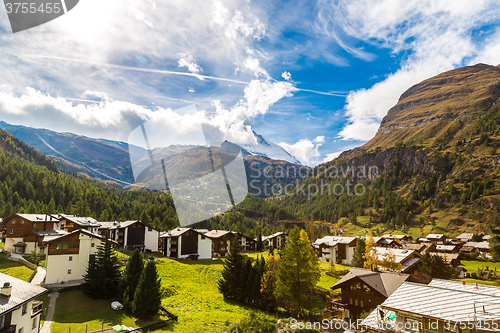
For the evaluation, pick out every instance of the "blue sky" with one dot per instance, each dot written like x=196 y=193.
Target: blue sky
x=316 y=77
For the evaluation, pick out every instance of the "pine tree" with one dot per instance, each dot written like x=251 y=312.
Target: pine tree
x=103 y=275
x=298 y=271
x=230 y=284
x=147 y=298
x=359 y=253
x=131 y=277
x=260 y=245
x=91 y=285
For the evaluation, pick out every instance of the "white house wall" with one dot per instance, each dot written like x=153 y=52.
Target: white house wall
x=204 y=248
x=25 y=321
x=59 y=264
x=151 y=238
x=9 y=243
x=349 y=256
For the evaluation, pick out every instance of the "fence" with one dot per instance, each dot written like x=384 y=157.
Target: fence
x=135 y=330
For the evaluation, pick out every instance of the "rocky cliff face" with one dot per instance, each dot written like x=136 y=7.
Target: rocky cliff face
x=463 y=93
x=460 y=95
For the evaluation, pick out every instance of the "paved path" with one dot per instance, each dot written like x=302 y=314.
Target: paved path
x=40 y=276
x=50 y=312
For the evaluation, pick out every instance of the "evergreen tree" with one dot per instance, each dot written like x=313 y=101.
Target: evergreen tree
x=92 y=283
x=298 y=271
x=131 y=277
x=147 y=298
x=260 y=245
x=230 y=284
x=494 y=244
x=103 y=275
x=359 y=253
x=436 y=266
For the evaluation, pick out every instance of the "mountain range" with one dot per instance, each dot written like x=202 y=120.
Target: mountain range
x=110 y=161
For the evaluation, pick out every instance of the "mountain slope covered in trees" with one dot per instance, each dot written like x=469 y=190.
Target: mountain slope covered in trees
x=432 y=166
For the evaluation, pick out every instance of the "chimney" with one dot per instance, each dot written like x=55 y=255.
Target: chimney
x=6 y=289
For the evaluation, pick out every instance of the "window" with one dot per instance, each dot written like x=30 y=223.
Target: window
x=34 y=225
x=22 y=221
x=21 y=330
x=69 y=271
x=2 y=321
x=356 y=302
x=202 y=236
x=34 y=325
x=71 y=245
x=361 y=303
x=24 y=309
x=70 y=258
x=11 y=231
x=92 y=245
x=350 y=301
x=62 y=247
x=13 y=221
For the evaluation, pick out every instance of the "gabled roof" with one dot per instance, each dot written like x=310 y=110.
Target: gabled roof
x=407 y=258
x=116 y=224
x=449 y=257
x=21 y=293
x=80 y=220
x=400 y=237
x=174 y=232
x=276 y=234
x=442 y=247
x=465 y=236
x=478 y=245
x=35 y=217
x=217 y=233
x=334 y=240
x=77 y=232
x=435 y=236
x=383 y=282
x=417 y=247
x=444 y=300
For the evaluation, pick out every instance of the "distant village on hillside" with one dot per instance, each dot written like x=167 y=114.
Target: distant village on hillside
x=391 y=287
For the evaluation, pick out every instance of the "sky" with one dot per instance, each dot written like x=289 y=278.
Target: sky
x=316 y=77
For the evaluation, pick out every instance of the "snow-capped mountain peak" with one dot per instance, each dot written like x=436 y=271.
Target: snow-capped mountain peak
x=267 y=148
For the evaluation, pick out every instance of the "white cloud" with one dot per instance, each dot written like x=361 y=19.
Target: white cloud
x=331 y=156
x=304 y=150
x=319 y=139
x=436 y=35
x=187 y=60
x=286 y=75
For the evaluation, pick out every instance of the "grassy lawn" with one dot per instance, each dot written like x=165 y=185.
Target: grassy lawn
x=197 y=301
x=14 y=268
x=77 y=311
x=489 y=283
x=473 y=265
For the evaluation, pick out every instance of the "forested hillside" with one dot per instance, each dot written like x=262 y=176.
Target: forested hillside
x=433 y=165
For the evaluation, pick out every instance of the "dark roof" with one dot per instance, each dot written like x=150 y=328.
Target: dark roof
x=383 y=282
x=21 y=293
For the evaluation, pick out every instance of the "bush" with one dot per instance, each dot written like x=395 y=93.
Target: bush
x=254 y=323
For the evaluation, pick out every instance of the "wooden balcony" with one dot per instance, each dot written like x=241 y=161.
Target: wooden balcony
x=8 y=329
x=37 y=309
